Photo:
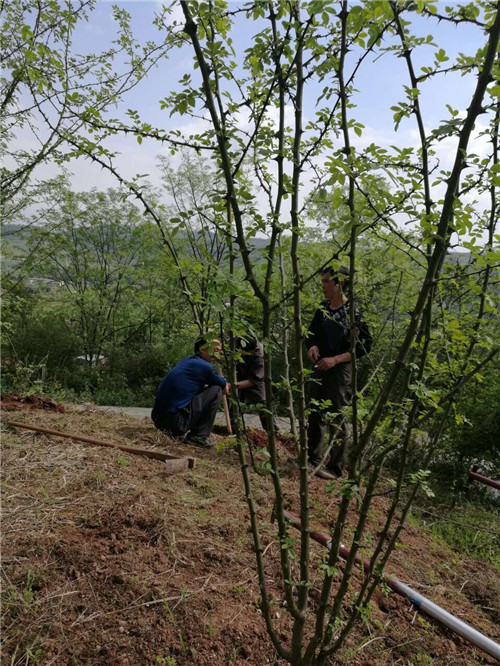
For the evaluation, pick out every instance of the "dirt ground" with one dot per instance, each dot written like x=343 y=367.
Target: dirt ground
x=13 y=402
x=107 y=560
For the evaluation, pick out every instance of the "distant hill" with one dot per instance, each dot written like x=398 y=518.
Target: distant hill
x=16 y=237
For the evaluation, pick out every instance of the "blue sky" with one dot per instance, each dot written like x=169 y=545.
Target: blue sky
x=380 y=86
x=380 y=83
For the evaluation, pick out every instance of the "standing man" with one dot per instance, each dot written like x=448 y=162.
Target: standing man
x=189 y=396
x=328 y=344
x=250 y=375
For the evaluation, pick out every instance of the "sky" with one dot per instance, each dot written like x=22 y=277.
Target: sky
x=379 y=86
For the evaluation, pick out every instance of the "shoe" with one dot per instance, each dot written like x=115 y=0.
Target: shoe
x=335 y=469
x=201 y=442
x=321 y=472
x=325 y=474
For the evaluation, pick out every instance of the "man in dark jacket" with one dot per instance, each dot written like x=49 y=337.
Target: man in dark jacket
x=250 y=375
x=328 y=344
x=189 y=396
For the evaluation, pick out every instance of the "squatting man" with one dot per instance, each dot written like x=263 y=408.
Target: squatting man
x=190 y=394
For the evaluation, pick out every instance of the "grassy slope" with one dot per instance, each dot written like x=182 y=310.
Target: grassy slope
x=109 y=561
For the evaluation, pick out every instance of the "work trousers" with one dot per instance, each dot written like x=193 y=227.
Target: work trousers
x=197 y=418
x=250 y=397
x=335 y=386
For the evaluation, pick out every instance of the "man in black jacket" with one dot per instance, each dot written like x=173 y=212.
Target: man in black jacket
x=250 y=375
x=328 y=344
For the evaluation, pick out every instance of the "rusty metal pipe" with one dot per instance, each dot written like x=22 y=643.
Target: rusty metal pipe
x=422 y=603
x=474 y=476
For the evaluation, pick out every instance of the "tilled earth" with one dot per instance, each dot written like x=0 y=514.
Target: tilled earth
x=107 y=560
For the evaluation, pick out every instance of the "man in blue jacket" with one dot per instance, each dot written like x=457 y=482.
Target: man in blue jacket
x=189 y=396
x=328 y=345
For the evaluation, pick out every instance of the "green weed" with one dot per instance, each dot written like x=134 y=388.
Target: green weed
x=170 y=613
x=122 y=461
x=234 y=655
x=202 y=515
x=99 y=477
x=165 y=661
x=458 y=529
x=236 y=590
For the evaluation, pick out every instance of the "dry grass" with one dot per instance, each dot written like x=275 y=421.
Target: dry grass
x=107 y=560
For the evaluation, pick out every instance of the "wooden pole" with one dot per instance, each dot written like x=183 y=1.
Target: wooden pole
x=225 y=407
x=174 y=463
x=226 y=414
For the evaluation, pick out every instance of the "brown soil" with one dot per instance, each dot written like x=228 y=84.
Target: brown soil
x=258 y=438
x=14 y=402
x=109 y=561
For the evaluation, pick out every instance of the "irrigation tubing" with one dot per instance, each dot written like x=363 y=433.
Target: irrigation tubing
x=421 y=603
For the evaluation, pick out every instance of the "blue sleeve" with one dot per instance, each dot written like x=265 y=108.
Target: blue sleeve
x=212 y=377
